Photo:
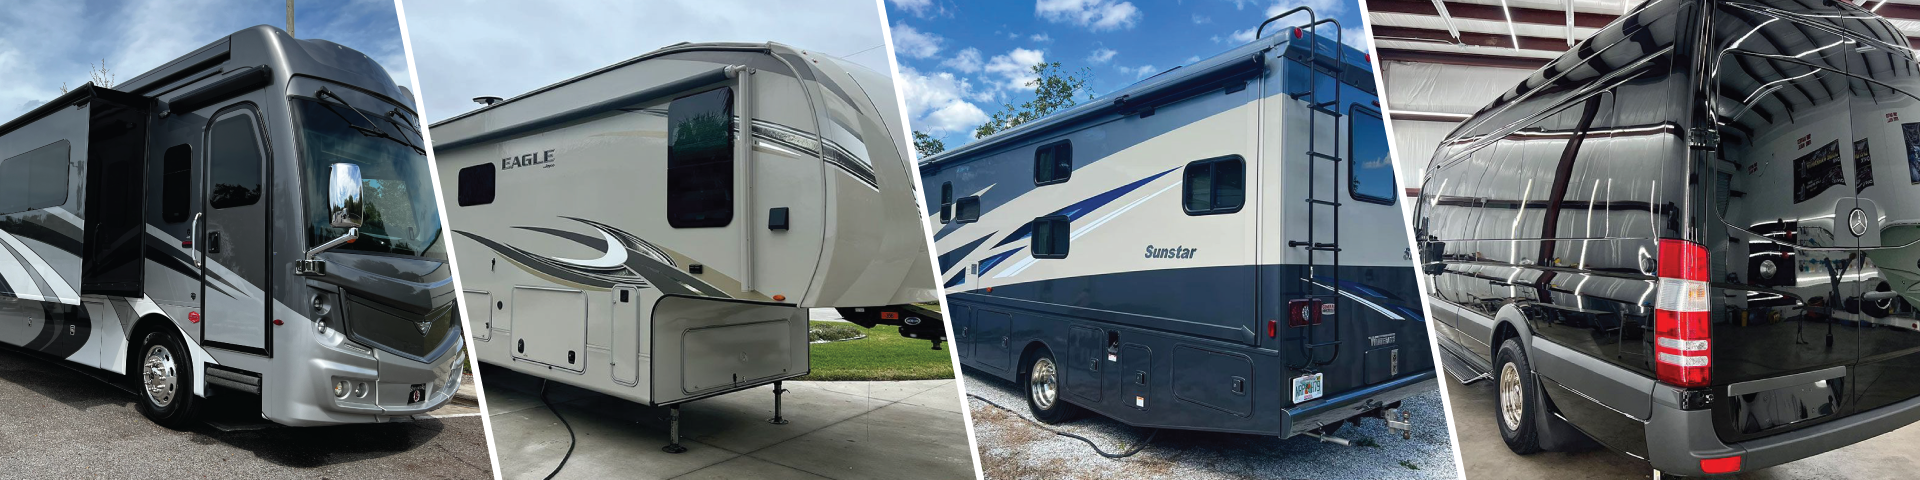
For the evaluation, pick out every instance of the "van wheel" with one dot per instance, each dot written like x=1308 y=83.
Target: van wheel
x=165 y=373
x=1042 y=385
x=1518 y=398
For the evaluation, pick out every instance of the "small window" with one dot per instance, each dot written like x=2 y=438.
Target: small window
x=476 y=185
x=1053 y=163
x=176 y=184
x=1215 y=186
x=966 y=209
x=234 y=160
x=1050 y=236
x=700 y=135
x=1370 y=163
x=946 y=202
x=36 y=179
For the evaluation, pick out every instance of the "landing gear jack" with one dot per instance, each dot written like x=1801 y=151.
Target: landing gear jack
x=777 y=419
x=674 y=429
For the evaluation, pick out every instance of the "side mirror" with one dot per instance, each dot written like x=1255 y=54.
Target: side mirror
x=344 y=205
x=1432 y=254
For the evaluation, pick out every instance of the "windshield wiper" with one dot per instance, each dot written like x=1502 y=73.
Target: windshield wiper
x=367 y=131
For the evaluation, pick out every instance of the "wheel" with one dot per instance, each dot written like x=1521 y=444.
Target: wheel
x=1042 y=384
x=165 y=371
x=1518 y=398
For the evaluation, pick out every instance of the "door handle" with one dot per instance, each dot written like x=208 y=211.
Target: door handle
x=1880 y=295
x=193 y=231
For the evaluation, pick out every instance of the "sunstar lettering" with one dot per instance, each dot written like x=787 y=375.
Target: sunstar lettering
x=1175 y=252
x=528 y=160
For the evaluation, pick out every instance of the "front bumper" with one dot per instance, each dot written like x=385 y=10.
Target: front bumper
x=1678 y=440
x=379 y=387
x=1330 y=410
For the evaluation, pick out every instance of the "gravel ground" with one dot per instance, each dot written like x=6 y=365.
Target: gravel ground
x=1011 y=447
x=59 y=422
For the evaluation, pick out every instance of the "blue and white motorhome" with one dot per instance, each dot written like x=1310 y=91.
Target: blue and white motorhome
x=1219 y=247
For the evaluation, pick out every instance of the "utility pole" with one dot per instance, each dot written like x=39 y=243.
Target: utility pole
x=290 y=18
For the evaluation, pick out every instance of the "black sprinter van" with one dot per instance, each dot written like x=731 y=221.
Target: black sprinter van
x=1691 y=238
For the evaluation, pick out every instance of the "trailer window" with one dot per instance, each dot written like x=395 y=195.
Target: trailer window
x=233 y=160
x=476 y=185
x=1215 y=186
x=946 y=202
x=1050 y=236
x=966 y=209
x=1369 y=163
x=176 y=184
x=700 y=160
x=1053 y=163
x=36 y=179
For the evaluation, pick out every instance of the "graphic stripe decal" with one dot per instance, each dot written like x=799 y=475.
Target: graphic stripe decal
x=952 y=257
x=643 y=264
x=1081 y=208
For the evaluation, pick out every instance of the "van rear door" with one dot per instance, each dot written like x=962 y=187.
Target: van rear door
x=1883 y=171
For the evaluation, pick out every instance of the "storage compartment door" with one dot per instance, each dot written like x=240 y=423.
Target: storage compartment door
x=555 y=333
x=701 y=346
x=1084 y=364
x=479 y=310
x=1216 y=380
x=628 y=302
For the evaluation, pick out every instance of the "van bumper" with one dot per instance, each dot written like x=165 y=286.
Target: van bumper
x=1330 y=410
x=1678 y=440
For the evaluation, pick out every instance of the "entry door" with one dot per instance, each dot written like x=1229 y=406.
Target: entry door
x=233 y=237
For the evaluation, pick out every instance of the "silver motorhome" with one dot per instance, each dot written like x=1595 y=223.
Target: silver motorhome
x=655 y=230
x=256 y=215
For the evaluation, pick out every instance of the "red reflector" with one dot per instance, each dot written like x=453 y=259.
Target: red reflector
x=1296 y=32
x=1720 y=465
x=1273 y=328
x=889 y=315
x=278 y=322
x=193 y=317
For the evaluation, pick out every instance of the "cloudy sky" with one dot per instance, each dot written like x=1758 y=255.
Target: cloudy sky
x=960 y=61
x=466 y=49
x=46 y=42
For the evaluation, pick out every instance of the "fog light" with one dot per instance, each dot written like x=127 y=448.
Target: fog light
x=360 y=390
x=320 y=325
x=340 y=388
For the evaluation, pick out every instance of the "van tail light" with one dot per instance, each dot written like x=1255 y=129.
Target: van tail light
x=1715 y=466
x=1683 y=345
x=1303 y=312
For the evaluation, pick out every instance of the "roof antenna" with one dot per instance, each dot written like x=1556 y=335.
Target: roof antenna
x=487 y=101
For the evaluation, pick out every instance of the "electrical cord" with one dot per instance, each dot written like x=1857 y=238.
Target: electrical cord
x=571 y=439
x=1138 y=446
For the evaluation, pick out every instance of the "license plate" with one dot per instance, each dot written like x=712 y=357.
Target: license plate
x=1308 y=387
x=417 y=395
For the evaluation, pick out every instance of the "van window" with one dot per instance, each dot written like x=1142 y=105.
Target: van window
x=36 y=179
x=233 y=160
x=1215 y=186
x=1370 y=165
x=1053 y=163
x=946 y=202
x=176 y=183
x=476 y=185
x=966 y=209
x=1050 y=236
x=700 y=134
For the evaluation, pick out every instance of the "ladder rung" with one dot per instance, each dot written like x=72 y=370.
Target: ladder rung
x=1326 y=104
x=1323 y=202
x=1323 y=344
x=1314 y=246
x=1327 y=156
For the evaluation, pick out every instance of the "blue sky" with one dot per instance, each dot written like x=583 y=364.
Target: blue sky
x=960 y=61
x=46 y=42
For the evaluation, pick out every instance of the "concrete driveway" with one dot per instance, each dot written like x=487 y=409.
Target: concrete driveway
x=1486 y=456
x=839 y=430
x=65 y=422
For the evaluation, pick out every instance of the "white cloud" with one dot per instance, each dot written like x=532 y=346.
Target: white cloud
x=1201 y=19
x=1141 y=71
x=968 y=61
x=1040 y=38
x=1355 y=36
x=913 y=43
x=1015 y=68
x=919 y=8
x=1096 y=15
x=1101 y=56
x=1321 y=8
x=937 y=104
x=1237 y=37
x=1192 y=59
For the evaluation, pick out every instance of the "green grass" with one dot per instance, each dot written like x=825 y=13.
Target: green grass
x=883 y=355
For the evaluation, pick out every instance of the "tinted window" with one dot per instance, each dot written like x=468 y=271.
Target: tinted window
x=700 y=160
x=476 y=185
x=1053 y=163
x=1050 y=237
x=176 y=184
x=1370 y=167
x=1215 y=186
x=36 y=179
x=946 y=202
x=966 y=209
x=234 y=159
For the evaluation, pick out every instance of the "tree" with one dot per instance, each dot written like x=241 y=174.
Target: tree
x=99 y=75
x=1053 y=90
x=926 y=145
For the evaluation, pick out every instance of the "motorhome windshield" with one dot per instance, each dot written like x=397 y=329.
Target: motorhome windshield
x=401 y=217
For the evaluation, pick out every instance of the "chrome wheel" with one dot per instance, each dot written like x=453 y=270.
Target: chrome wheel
x=159 y=376
x=1511 y=401
x=1043 y=385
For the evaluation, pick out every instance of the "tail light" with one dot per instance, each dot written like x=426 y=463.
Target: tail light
x=1301 y=313
x=1683 y=347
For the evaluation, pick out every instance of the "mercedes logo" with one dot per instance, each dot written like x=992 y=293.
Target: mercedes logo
x=1858 y=222
x=424 y=326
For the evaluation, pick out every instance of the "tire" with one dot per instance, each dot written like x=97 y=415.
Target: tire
x=1041 y=382
x=1517 y=397
x=163 y=369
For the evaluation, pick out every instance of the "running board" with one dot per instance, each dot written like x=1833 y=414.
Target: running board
x=1459 y=369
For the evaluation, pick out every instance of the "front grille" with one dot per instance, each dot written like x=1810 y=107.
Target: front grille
x=400 y=334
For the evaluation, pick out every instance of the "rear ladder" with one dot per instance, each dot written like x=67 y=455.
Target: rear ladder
x=1318 y=106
